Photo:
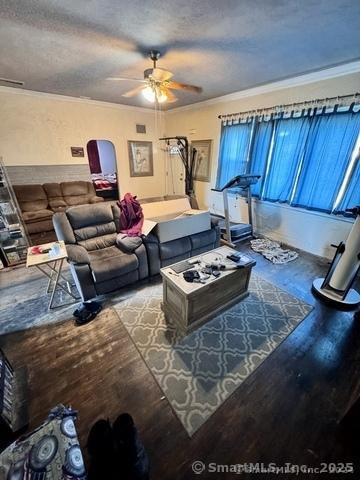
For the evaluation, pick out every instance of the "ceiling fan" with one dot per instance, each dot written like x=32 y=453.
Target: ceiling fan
x=157 y=83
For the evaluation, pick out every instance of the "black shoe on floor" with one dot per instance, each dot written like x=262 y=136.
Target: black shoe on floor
x=86 y=313
x=93 y=307
x=100 y=446
x=132 y=454
x=85 y=318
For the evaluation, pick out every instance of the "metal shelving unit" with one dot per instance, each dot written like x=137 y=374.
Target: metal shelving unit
x=14 y=240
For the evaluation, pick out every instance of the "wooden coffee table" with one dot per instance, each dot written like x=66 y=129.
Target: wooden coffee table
x=189 y=305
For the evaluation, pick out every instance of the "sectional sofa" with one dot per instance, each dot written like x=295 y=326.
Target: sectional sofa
x=38 y=203
x=100 y=265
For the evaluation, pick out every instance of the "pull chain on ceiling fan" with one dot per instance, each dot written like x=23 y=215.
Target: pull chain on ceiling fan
x=157 y=84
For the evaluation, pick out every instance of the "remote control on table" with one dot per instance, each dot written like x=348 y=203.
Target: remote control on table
x=193 y=261
x=233 y=257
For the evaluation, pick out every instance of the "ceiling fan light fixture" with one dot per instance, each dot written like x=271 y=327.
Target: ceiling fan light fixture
x=149 y=94
x=161 y=95
x=153 y=94
x=157 y=83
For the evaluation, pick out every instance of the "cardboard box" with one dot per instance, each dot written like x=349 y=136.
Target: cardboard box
x=173 y=219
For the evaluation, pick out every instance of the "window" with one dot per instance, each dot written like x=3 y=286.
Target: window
x=309 y=161
x=349 y=195
x=234 y=145
x=260 y=153
x=287 y=149
x=330 y=144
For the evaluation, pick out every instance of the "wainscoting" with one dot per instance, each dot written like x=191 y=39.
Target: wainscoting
x=25 y=174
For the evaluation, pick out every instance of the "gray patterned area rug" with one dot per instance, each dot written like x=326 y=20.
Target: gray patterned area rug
x=197 y=373
x=26 y=311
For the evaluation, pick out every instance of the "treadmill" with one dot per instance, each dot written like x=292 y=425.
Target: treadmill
x=235 y=232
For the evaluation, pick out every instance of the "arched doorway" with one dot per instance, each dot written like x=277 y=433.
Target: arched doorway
x=103 y=168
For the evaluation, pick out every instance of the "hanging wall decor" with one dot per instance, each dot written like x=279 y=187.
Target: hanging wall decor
x=77 y=151
x=202 y=160
x=140 y=158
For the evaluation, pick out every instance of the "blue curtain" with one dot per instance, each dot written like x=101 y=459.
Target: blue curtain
x=260 y=153
x=352 y=193
x=331 y=141
x=234 y=144
x=283 y=163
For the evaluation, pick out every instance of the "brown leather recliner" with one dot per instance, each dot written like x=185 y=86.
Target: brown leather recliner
x=37 y=216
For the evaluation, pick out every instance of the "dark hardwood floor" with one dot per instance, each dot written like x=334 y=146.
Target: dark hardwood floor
x=288 y=411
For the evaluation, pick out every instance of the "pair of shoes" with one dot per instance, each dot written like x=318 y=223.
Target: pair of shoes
x=116 y=451
x=86 y=312
x=130 y=448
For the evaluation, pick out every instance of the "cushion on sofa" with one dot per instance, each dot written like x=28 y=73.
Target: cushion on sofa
x=37 y=215
x=55 y=198
x=175 y=248
x=127 y=244
x=97 y=240
x=111 y=262
x=53 y=190
x=85 y=215
x=93 y=226
x=96 y=199
x=78 y=193
x=77 y=254
x=74 y=189
x=31 y=197
x=40 y=226
x=200 y=240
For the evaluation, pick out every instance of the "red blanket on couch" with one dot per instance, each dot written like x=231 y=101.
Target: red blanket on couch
x=131 y=216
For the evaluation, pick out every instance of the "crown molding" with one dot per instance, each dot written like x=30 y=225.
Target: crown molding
x=304 y=79
x=65 y=98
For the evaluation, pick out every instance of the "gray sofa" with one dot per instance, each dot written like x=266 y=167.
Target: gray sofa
x=163 y=254
x=97 y=263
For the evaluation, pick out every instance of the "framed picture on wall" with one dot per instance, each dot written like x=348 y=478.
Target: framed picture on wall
x=140 y=158
x=203 y=160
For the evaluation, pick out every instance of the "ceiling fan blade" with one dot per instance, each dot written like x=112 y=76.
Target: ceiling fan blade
x=184 y=86
x=171 y=98
x=124 y=79
x=133 y=92
x=160 y=75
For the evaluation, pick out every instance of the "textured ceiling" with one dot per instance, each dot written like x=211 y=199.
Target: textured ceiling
x=70 y=47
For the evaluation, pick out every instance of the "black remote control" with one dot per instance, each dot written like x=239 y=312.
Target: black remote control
x=233 y=257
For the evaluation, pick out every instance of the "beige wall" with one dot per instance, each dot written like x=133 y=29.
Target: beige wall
x=39 y=129
x=204 y=119
x=309 y=231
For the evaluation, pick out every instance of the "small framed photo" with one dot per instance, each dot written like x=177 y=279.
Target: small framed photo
x=202 y=160
x=77 y=151
x=140 y=158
